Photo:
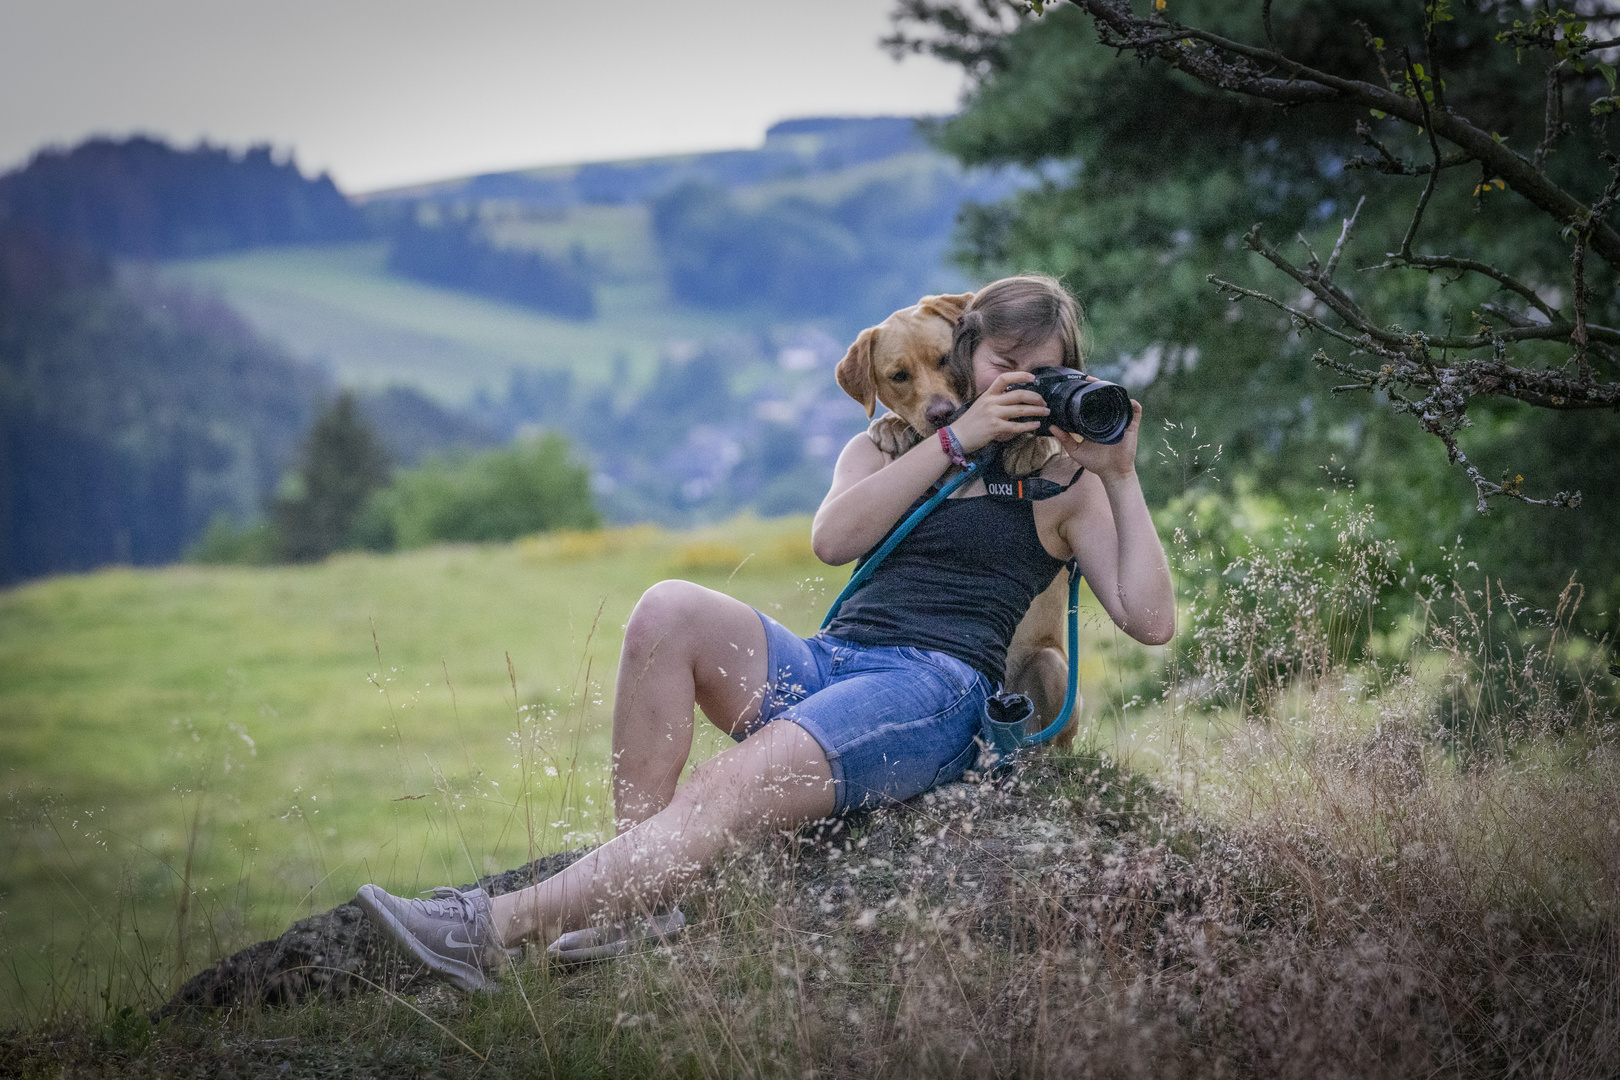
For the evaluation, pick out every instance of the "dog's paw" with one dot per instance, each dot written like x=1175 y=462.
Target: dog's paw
x=1028 y=454
x=892 y=435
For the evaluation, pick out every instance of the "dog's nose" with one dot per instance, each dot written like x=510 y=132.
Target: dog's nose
x=940 y=411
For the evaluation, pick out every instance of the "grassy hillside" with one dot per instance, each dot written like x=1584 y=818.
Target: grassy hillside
x=340 y=305
x=242 y=708
x=1322 y=849
x=241 y=719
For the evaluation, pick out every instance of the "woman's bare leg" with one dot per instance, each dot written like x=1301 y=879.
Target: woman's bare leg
x=684 y=644
x=778 y=779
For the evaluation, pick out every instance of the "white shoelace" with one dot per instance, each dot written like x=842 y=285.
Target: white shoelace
x=448 y=901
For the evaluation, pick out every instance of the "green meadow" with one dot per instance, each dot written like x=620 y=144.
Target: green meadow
x=196 y=756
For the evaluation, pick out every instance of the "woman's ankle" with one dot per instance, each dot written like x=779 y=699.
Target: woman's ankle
x=506 y=921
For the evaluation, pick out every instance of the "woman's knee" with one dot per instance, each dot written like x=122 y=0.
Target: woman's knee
x=665 y=614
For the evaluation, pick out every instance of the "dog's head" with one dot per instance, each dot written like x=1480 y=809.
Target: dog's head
x=905 y=362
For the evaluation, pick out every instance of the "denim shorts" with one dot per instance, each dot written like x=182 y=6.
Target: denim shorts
x=893 y=721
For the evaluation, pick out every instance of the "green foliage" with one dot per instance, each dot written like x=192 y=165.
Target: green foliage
x=141 y=197
x=245 y=691
x=533 y=486
x=855 y=256
x=134 y=419
x=1277 y=600
x=226 y=543
x=457 y=255
x=1152 y=181
x=788 y=256
x=340 y=465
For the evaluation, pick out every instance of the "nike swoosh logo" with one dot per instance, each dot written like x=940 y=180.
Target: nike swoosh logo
x=450 y=941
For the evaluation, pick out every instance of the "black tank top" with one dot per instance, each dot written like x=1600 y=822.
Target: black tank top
x=959 y=584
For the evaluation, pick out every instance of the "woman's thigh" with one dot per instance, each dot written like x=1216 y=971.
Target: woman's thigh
x=893 y=722
x=777 y=778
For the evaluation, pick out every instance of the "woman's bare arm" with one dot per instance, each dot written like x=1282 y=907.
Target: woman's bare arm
x=870 y=492
x=1111 y=533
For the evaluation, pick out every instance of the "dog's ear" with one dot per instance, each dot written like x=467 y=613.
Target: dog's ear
x=948 y=306
x=854 y=371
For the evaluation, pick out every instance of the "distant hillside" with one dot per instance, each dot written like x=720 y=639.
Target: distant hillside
x=124 y=424
x=793 y=149
x=678 y=318
x=141 y=198
x=833 y=218
x=456 y=255
x=724 y=287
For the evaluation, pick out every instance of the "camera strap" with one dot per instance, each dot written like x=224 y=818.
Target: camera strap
x=1002 y=487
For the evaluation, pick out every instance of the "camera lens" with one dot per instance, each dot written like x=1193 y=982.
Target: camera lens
x=1101 y=412
x=1098 y=412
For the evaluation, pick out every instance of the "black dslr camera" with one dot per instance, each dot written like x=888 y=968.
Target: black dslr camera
x=1095 y=410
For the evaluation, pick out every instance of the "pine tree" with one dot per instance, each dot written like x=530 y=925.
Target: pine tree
x=342 y=464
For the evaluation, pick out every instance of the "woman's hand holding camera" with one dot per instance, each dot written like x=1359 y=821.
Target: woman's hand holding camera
x=1008 y=408
x=1107 y=461
x=1001 y=412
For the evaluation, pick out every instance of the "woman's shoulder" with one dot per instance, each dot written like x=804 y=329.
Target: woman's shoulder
x=859 y=458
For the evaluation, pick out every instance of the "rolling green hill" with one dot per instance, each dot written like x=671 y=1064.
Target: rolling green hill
x=677 y=318
x=340 y=305
x=300 y=724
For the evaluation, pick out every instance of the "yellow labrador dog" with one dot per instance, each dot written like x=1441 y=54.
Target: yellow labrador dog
x=904 y=362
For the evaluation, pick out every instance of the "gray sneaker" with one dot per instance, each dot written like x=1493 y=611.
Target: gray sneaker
x=605 y=942
x=452 y=933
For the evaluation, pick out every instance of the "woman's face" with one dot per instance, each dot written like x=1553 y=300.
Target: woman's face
x=988 y=362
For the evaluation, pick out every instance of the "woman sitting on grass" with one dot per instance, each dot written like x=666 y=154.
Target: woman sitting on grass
x=881 y=706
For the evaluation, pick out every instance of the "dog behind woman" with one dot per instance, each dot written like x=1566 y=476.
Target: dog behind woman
x=918 y=364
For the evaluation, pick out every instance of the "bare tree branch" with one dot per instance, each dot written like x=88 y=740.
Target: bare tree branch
x=1439 y=412
x=1303 y=318
x=1553 y=127
x=1391 y=165
x=1583 y=331
x=1344 y=238
x=1434 y=169
x=1434 y=263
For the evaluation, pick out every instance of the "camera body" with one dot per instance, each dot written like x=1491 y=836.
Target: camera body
x=1093 y=409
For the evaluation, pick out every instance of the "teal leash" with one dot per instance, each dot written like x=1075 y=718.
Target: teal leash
x=864 y=572
x=1073 y=690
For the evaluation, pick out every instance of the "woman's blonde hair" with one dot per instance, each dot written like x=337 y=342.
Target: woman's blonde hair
x=1016 y=313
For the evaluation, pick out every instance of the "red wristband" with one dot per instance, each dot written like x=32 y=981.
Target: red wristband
x=953 y=449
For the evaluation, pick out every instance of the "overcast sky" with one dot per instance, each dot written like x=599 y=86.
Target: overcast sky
x=388 y=92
